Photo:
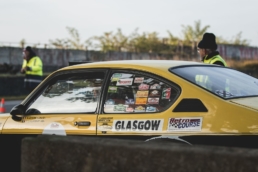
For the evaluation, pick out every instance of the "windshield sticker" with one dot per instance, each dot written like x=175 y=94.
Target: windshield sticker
x=129 y=101
x=119 y=108
x=114 y=79
x=142 y=93
x=155 y=86
x=151 y=109
x=109 y=108
x=112 y=89
x=185 y=124
x=138 y=125
x=139 y=109
x=148 y=80
x=127 y=81
x=138 y=80
x=54 y=128
x=153 y=100
x=117 y=75
x=154 y=93
x=141 y=100
x=129 y=109
x=143 y=87
x=166 y=93
x=110 y=102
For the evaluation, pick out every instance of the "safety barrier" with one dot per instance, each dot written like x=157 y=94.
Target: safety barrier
x=65 y=154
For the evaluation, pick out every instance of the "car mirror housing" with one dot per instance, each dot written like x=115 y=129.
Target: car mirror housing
x=17 y=110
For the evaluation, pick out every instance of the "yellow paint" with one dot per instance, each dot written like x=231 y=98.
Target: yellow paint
x=224 y=117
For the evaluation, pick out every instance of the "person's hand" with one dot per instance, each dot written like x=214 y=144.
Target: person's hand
x=23 y=70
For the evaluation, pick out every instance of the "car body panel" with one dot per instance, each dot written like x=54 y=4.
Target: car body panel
x=52 y=124
x=3 y=118
x=224 y=117
x=251 y=102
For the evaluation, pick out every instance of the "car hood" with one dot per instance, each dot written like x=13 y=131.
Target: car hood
x=251 y=102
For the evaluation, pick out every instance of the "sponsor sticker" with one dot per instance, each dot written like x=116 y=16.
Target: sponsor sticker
x=129 y=101
x=143 y=87
x=154 y=93
x=119 y=108
x=185 y=124
x=148 y=80
x=142 y=93
x=155 y=86
x=54 y=128
x=117 y=75
x=112 y=89
x=129 y=109
x=151 y=109
x=105 y=119
x=104 y=127
x=139 y=109
x=138 y=125
x=110 y=102
x=138 y=79
x=153 y=100
x=141 y=100
x=127 y=81
x=109 y=108
x=166 y=93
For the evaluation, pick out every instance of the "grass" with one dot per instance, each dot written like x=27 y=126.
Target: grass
x=249 y=67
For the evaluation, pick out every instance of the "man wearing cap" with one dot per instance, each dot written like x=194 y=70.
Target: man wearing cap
x=33 y=69
x=207 y=49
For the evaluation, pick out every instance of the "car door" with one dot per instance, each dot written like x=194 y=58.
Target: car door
x=66 y=104
x=136 y=103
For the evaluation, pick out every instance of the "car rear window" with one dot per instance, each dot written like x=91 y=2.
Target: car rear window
x=224 y=82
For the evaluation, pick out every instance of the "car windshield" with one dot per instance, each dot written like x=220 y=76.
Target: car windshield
x=224 y=82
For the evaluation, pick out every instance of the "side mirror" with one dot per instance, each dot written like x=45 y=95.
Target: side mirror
x=17 y=110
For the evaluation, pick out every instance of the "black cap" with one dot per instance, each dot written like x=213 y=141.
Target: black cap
x=208 y=41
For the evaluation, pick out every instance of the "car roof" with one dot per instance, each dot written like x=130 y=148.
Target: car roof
x=134 y=64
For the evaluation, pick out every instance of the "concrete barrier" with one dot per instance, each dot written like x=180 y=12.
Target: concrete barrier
x=68 y=154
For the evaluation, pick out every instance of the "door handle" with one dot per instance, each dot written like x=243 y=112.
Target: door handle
x=82 y=123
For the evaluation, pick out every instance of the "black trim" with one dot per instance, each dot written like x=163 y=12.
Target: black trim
x=190 y=105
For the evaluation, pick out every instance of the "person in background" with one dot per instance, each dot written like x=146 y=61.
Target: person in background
x=207 y=49
x=33 y=68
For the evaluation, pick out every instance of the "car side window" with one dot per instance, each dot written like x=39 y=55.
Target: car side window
x=138 y=93
x=70 y=93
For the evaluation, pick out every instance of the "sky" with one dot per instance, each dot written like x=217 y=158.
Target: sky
x=38 y=21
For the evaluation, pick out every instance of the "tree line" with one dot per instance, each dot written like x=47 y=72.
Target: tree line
x=140 y=42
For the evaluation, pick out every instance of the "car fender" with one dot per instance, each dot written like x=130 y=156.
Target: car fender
x=3 y=118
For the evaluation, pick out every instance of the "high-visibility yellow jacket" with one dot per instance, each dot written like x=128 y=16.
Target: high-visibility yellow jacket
x=214 y=60
x=36 y=66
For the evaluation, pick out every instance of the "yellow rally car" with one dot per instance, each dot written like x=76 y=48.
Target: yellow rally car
x=152 y=100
